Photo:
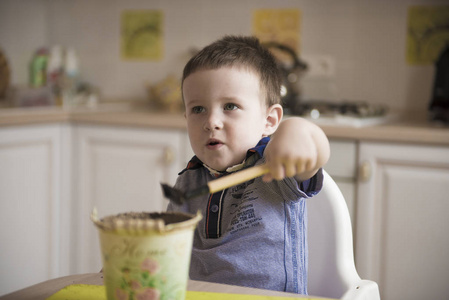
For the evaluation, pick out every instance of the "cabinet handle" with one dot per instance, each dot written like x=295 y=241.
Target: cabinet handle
x=169 y=155
x=365 y=171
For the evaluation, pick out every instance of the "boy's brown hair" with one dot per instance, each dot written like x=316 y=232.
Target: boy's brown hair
x=241 y=52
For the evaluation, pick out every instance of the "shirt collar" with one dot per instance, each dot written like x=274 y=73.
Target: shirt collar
x=252 y=155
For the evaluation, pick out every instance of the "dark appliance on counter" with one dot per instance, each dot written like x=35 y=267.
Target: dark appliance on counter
x=291 y=68
x=439 y=105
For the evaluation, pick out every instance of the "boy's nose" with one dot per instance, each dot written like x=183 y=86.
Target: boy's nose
x=213 y=122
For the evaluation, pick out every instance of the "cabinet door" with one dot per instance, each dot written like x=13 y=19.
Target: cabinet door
x=342 y=166
x=403 y=209
x=120 y=170
x=30 y=215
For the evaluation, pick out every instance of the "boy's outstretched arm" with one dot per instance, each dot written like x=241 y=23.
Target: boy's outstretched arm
x=297 y=149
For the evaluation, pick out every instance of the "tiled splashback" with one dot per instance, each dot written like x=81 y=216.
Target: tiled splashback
x=365 y=39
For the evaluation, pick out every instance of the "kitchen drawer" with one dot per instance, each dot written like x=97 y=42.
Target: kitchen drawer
x=342 y=162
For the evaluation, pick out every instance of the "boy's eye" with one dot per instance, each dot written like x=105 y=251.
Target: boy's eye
x=230 y=106
x=197 y=109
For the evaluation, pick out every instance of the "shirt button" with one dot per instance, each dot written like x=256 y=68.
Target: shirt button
x=214 y=208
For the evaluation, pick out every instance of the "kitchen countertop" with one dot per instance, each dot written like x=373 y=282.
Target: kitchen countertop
x=409 y=129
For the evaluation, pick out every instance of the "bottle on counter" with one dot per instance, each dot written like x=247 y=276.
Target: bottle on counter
x=71 y=78
x=55 y=73
x=38 y=68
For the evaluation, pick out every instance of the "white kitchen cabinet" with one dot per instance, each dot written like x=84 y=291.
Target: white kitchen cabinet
x=120 y=169
x=402 y=220
x=34 y=219
x=342 y=166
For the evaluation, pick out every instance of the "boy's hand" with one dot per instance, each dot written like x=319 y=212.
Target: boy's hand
x=297 y=149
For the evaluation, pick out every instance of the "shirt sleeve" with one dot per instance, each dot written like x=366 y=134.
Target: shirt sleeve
x=313 y=185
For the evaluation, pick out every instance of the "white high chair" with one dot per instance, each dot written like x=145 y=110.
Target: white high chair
x=332 y=271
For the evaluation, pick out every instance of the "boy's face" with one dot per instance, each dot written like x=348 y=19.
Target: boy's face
x=226 y=115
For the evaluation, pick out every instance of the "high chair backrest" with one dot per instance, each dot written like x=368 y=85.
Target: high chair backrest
x=332 y=271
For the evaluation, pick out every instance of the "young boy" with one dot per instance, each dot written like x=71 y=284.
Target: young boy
x=253 y=234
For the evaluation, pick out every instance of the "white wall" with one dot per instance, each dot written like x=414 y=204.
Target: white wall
x=23 y=28
x=366 y=38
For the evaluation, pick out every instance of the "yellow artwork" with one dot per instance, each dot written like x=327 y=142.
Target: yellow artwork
x=278 y=25
x=142 y=35
x=427 y=33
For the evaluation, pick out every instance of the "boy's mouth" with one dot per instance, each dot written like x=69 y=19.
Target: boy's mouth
x=213 y=143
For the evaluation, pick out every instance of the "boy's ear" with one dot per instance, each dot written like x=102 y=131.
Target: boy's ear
x=274 y=117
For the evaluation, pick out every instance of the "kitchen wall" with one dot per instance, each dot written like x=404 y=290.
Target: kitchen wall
x=365 y=38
